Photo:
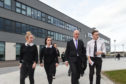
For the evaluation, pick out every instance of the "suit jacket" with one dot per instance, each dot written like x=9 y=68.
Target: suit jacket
x=71 y=51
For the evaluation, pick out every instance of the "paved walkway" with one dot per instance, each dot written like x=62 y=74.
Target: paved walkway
x=11 y=75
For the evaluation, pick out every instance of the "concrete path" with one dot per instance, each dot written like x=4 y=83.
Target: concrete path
x=10 y=75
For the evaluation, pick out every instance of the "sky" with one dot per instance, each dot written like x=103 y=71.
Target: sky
x=107 y=16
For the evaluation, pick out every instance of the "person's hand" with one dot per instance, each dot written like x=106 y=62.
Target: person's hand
x=34 y=65
x=98 y=53
x=66 y=63
x=57 y=64
x=41 y=64
x=20 y=65
x=90 y=62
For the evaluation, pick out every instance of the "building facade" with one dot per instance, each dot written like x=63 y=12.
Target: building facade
x=19 y=16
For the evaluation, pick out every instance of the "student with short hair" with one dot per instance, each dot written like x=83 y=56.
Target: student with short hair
x=95 y=49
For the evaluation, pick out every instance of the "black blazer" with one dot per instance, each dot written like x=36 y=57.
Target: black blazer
x=71 y=51
x=49 y=55
x=28 y=54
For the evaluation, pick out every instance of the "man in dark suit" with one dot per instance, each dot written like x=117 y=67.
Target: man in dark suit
x=75 y=55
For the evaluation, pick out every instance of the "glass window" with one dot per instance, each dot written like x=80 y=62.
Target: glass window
x=18 y=10
x=27 y=27
x=50 y=19
x=24 y=28
x=33 y=30
x=23 y=6
x=23 y=12
x=23 y=9
x=28 y=11
x=40 y=33
x=67 y=38
x=44 y=34
x=52 y=35
x=18 y=28
x=1 y=3
x=2 y=51
x=56 y=36
x=7 y=4
x=55 y=21
x=48 y=33
x=8 y=26
x=59 y=36
x=61 y=24
x=39 y=15
x=18 y=46
x=43 y=17
x=34 y=14
x=67 y=26
x=63 y=38
x=1 y=24
x=18 y=4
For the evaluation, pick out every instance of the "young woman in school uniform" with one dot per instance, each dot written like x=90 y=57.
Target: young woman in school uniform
x=28 y=59
x=48 y=53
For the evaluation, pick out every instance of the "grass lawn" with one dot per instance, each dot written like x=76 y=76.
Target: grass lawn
x=117 y=76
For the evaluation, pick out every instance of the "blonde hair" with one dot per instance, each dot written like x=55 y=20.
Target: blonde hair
x=28 y=33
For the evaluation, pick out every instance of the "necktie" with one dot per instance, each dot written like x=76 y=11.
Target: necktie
x=95 y=49
x=76 y=44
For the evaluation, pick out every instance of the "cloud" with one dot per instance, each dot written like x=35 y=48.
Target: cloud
x=110 y=20
x=108 y=16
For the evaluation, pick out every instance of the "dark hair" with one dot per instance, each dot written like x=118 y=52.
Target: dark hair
x=94 y=31
x=46 y=39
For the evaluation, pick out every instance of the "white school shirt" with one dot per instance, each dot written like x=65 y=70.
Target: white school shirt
x=90 y=47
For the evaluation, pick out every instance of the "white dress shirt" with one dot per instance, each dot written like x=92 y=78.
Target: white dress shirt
x=100 y=47
x=49 y=46
x=30 y=44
